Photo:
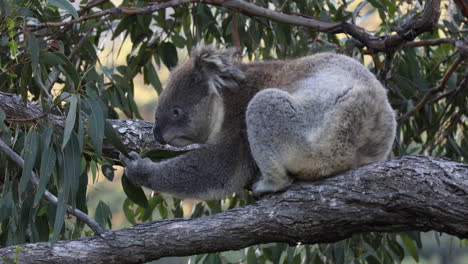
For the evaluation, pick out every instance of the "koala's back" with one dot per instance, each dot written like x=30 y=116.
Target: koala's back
x=339 y=115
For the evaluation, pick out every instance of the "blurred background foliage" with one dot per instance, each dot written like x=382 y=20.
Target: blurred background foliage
x=114 y=66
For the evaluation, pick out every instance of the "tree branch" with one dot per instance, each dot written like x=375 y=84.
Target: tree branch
x=429 y=42
x=409 y=193
x=407 y=32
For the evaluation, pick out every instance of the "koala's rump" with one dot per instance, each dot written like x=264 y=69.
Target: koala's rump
x=348 y=121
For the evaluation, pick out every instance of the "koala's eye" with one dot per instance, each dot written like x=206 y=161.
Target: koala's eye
x=176 y=113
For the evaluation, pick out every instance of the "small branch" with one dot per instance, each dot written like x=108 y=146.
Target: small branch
x=235 y=34
x=357 y=10
x=412 y=193
x=463 y=85
x=33 y=119
x=87 y=35
x=432 y=91
x=429 y=42
x=98 y=230
x=115 y=11
x=90 y=5
x=385 y=70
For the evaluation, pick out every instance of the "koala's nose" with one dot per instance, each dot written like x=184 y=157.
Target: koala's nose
x=158 y=133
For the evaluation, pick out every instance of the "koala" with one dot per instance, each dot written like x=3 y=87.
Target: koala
x=265 y=123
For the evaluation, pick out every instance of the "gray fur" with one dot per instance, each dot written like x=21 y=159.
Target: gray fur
x=265 y=122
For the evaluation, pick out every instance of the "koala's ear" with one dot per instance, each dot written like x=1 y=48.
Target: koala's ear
x=217 y=64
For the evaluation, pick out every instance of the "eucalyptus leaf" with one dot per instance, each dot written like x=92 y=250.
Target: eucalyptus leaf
x=103 y=214
x=48 y=159
x=134 y=193
x=72 y=164
x=168 y=54
x=30 y=150
x=114 y=139
x=65 y=5
x=70 y=121
x=96 y=121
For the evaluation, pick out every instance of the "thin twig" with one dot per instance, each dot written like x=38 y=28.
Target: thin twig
x=33 y=119
x=386 y=68
x=116 y=10
x=235 y=34
x=97 y=229
x=429 y=42
x=357 y=10
x=463 y=85
x=86 y=36
x=432 y=91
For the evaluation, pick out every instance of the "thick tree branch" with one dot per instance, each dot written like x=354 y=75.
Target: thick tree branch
x=410 y=193
x=406 y=32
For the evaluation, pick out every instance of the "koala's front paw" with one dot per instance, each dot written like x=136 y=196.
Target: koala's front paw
x=134 y=168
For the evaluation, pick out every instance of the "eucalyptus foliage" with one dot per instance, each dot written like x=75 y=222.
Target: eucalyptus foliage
x=59 y=69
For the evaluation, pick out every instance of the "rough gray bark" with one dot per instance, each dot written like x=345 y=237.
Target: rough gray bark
x=409 y=193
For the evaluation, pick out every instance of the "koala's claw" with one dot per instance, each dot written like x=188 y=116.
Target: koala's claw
x=132 y=167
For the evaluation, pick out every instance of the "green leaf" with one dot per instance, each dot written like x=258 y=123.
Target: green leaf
x=103 y=215
x=50 y=58
x=33 y=49
x=114 y=139
x=47 y=135
x=377 y=4
x=179 y=41
x=168 y=54
x=251 y=257
x=124 y=24
x=63 y=193
x=72 y=164
x=47 y=166
x=70 y=121
x=233 y=256
x=410 y=246
x=151 y=77
x=30 y=151
x=96 y=124
x=65 y=5
x=69 y=69
x=134 y=193
x=129 y=214
x=108 y=172
x=93 y=168
x=26 y=77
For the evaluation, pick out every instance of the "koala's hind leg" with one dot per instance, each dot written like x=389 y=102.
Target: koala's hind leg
x=272 y=122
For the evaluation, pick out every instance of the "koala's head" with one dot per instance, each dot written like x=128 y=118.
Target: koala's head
x=191 y=109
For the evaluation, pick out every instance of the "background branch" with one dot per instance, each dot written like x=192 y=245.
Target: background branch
x=407 y=32
x=409 y=193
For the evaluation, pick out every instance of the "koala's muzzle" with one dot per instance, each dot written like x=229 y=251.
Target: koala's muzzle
x=157 y=132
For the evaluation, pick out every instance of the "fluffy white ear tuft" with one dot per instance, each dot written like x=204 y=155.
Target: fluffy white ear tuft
x=219 y=66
